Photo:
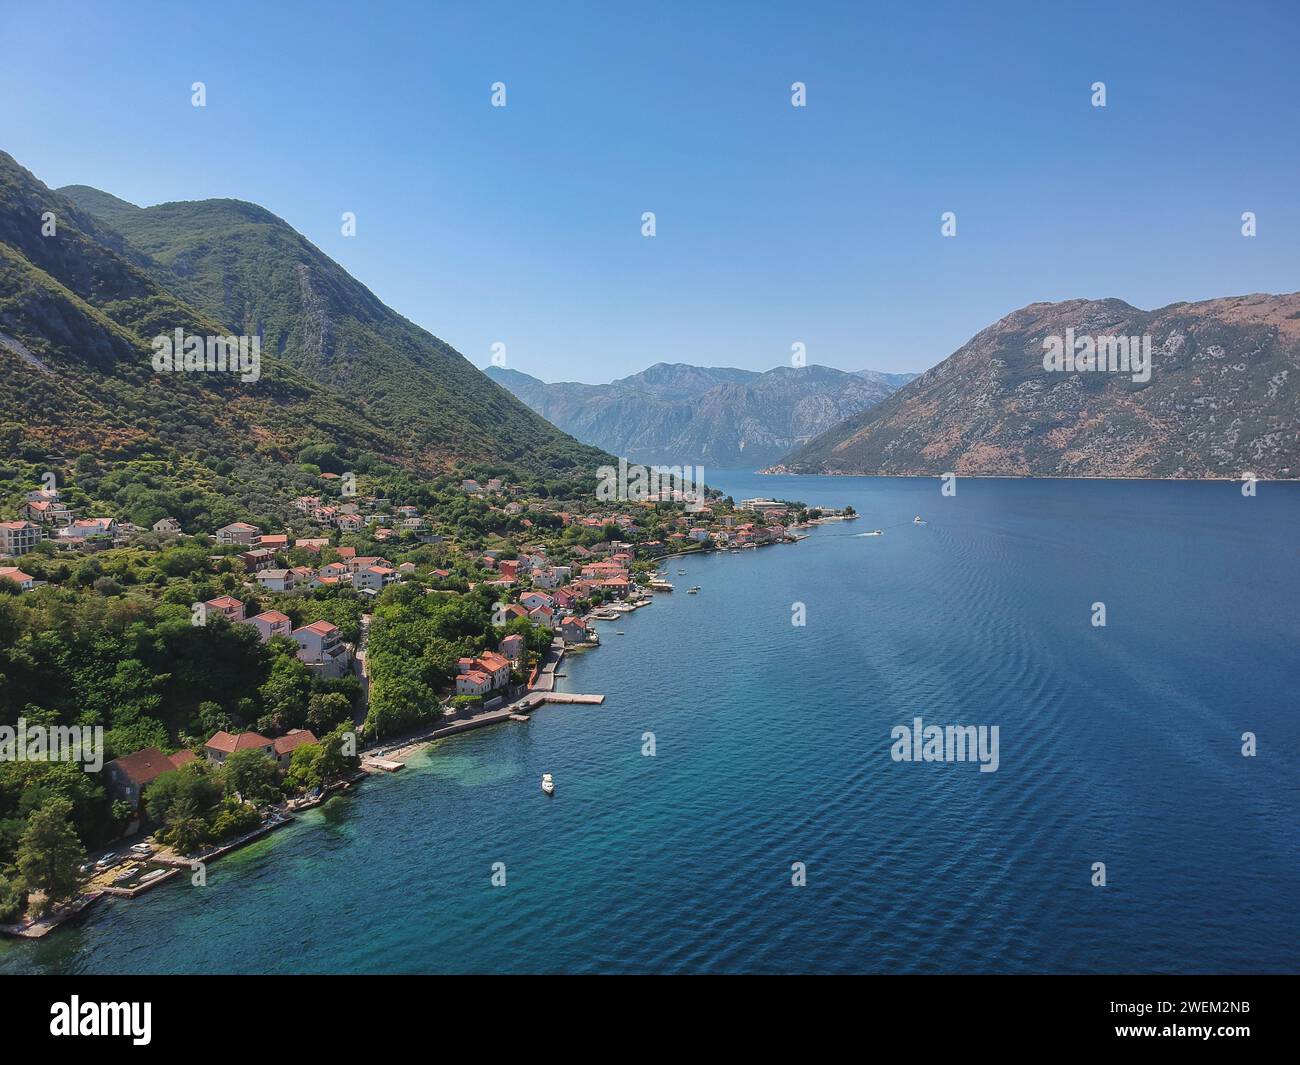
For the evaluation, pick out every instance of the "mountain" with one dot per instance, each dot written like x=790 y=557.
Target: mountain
x=345 y=381
x=674 y=413
x=1223 y=399
x=247 y=268
x=890 y=380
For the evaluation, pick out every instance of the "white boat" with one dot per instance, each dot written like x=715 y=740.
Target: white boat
x=875 y=532
x=692 y=591
x=918 y=520
x=681 y=573
x=548 y=785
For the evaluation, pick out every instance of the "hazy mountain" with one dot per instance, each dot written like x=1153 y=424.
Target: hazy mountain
x=1222 y=400
x=715 y=416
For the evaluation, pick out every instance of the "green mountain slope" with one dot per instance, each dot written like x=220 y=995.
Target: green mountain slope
x=247 y=268
x=79 y=307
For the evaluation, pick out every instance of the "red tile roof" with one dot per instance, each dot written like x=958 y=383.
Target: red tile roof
x=244 y=741
x=295 y=739
x=147 y=765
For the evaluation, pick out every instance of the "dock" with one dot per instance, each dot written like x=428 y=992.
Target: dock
x=41 y=927
x=534 y=699
x=140 y=889
x=383 y=764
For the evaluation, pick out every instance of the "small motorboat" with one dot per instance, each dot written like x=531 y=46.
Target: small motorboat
x=918 y=520
x=548 y=785
x=681 y=573
x=874 y=532
x=693 y=590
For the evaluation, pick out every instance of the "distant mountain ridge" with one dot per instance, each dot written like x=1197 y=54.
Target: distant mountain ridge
x=714 y=416
x=1223 y=399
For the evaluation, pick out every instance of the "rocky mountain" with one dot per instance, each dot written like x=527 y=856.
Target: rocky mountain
x=87 y=280
x=674 y=413
x=1221 y=399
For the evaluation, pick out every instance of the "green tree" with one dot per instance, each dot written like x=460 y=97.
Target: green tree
x=11 y=901
x=191 y=790
x=305 y=767
x=253 y=775
x=327 y=709
x=49 y=853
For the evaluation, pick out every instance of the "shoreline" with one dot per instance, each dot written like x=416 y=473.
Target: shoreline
x=773 y=471
x=396 y=754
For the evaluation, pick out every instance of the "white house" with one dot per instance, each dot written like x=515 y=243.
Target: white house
x=492 y=665
x=167 y=525
x=272 y=623
x=18 y=537
x=47 y=512
x=13 y=573
x=321 y=646
x=373 y=578
x=227 y=606
x=473 y=682
x=275 y=580
x=284 y=747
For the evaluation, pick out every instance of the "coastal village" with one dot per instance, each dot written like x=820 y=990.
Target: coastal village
x=553 y=571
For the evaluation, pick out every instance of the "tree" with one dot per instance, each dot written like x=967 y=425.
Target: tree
x=194 y=788
x=49 y=853
x=11 y=901
x=335 y=763
x=327 y=709
x=304 y=767
x=285 y=693
x=253 y=775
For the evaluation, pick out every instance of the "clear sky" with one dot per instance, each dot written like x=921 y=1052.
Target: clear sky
x=775 y=224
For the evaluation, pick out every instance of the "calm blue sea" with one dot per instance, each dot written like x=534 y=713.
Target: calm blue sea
x=1119 y=745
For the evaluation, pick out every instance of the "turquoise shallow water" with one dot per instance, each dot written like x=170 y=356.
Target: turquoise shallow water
x=1119 y=745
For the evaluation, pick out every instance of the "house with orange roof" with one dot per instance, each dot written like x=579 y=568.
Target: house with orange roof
x=321 y=649
x=46 y=512
x=227 y=606
x=25 y=581
x=473 y=682
x=574 y=630
x=224 y=744
x=129 y=775
x=284 y=747
x=513 y=647
x=495 y=667
x=272 y=623
x=373 y=578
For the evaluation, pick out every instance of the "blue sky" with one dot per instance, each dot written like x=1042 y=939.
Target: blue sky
x=819 y=225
